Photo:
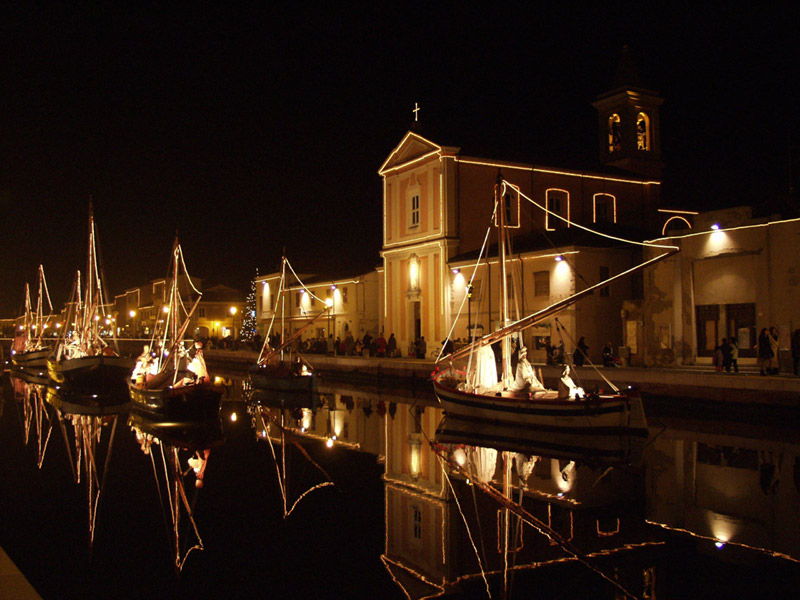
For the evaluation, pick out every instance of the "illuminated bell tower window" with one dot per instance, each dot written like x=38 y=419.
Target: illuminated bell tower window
x=642 y=132
x=614 y=134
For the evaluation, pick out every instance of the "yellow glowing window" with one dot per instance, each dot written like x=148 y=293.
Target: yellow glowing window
x=642 y=132
x=614 y=134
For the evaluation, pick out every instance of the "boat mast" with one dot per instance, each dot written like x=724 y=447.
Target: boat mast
x=501 y=243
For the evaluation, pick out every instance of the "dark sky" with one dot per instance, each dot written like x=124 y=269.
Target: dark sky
x=250 y=131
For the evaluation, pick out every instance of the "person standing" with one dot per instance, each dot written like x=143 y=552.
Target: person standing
x=774 y=365
x=764 y=351
x=734 y=355
x=391 y=346
x=581 y=352
x=727 y=354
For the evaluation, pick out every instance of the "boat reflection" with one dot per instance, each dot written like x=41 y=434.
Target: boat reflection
x=84 y=420
x=288 y=420
x=184 y=449
x=30 y=393
x=472 y=506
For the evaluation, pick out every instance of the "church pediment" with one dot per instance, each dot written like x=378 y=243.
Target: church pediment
x=413 y=146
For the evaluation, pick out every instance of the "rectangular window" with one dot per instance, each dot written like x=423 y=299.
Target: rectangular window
x=604 y=292
x=541 y=283
x=201 y=312
x=344 y=295
x=297 y=297
x=415 y=210
x=417 y=522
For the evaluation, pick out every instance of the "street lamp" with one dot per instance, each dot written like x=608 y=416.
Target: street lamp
x=232 y=310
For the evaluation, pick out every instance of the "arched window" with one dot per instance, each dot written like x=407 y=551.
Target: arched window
x=675 y=223
x=642 y=132
x=604 y=209
x=558 y=203
x=614 y=134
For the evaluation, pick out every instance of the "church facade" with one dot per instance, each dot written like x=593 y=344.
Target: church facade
x=437 y=208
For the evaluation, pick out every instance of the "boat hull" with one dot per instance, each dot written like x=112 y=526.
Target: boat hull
x=270 y=378
x=602 y=414
x=92 y=373
x=178 y=403
x=32 y=359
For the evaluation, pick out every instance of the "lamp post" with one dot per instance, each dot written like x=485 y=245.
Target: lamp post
x=329 y=304
x=232 y=310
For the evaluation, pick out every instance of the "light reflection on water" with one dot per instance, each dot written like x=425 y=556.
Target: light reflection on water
x=688 y=512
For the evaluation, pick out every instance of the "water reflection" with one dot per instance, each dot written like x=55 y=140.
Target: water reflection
x=467 y=508
x=29 y=394
x=88 y=425
x=179 y=452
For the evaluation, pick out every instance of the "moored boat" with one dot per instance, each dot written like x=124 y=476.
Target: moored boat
x=86 y=363
x=282 y=369
x=171 y=380
x=479 y=390
x=30 y=348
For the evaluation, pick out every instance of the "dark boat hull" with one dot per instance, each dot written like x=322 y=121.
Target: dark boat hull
x=178 y=403
x=95 y=374
x=32 y=359
x=277 y=379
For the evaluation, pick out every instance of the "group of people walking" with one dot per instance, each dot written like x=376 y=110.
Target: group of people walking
x=726 y=355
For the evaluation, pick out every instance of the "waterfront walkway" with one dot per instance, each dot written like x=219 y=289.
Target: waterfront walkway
x=700 y=382
x=13 y=584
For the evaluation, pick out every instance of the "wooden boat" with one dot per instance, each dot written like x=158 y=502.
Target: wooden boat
x=281 y=369
x=478 y=391
x=170 y=381
x=29 y=348
x=86 y=363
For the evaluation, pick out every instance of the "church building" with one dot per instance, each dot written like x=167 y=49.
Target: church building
x=437 y=207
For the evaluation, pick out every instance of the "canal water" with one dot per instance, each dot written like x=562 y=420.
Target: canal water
x=352 y=494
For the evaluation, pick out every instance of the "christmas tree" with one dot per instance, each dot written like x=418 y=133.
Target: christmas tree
x=249 y=317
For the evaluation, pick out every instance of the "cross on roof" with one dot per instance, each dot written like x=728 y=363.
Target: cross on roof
x=416 y=111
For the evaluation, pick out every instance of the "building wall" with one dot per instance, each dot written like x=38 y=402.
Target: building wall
x=744 y=264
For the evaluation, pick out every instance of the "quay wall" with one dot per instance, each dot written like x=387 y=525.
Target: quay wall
x=668 y=383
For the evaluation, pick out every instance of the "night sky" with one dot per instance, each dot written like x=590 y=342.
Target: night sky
x=252 y=131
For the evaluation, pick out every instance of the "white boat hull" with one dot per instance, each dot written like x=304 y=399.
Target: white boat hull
x=602 y=414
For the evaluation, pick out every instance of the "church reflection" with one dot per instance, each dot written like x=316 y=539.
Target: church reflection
x=480 y=508
x=469 y=508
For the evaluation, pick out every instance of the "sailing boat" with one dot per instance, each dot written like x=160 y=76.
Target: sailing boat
x=276 y=369
x=476 y=392
x=86 y=363
x=29 y=349
x=168 y=379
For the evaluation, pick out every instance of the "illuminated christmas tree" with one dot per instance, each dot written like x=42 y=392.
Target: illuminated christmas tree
x=249 y=317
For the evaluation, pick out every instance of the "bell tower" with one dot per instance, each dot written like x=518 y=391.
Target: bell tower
x=629 y=123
